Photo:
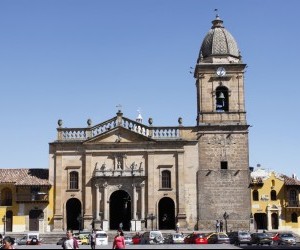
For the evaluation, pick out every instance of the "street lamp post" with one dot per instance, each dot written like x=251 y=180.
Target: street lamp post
x=4 y=224
x=225 y=216
x=151 y=217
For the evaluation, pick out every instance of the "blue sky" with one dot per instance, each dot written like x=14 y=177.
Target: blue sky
x=74 y=60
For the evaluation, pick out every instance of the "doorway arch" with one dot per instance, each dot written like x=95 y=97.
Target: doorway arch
x=166 y=208
x=120 y=210
x=34 y=216
x=74 y=218
x=274 y=217
x=9 y=221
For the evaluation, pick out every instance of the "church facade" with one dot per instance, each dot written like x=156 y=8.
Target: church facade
x=145 y=176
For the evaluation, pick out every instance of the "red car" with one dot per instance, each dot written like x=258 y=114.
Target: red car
x=196 y=238
x=136 y=239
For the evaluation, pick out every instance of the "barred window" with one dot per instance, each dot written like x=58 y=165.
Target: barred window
x=166 y=179
x=74 y=180
x=6 y=197
x=255 y=195
x=294 y=218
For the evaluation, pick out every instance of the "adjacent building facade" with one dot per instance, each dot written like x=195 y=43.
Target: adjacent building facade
x=275 y=201
x=25 y=200
x=146 y=176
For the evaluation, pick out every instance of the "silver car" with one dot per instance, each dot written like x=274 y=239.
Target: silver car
x=286 y=239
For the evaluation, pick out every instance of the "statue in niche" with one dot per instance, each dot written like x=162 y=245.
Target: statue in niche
x=103 y=167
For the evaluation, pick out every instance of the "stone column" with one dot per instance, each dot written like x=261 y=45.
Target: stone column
x=142 y=200
x=86 y=175
x=279 y=217
x=269 y=227
x=134 y=200
x=105 y=201
x=97 y=194
x=181 y=217
x=59 y=189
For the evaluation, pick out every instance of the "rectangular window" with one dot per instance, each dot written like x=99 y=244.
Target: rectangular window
x=224 y=165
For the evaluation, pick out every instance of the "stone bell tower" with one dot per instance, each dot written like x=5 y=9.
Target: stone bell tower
x=223 y=175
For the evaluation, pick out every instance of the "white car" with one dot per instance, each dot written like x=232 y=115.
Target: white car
x=152 y=237
x=101 y=238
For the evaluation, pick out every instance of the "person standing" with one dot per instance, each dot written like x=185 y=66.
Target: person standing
x=92 y=239
x=221 y=226
x=70 y=242
x=119 y=241
x=177 y=227
x=121 y=226
x=217 y=226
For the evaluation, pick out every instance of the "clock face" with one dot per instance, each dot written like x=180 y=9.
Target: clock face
x=221 y=71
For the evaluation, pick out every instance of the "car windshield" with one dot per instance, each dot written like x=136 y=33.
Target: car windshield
x=222 y=236
x=154 y=234
x=177 y=236
x=101 y=235
x=244 y=234
x=286 y=235
x=263 y=235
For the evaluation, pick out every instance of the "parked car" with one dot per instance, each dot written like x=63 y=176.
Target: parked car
x=240 y=237
x=30 y=239
x=261 y=239
x=136 y=239
x=175 y=238
x=286 y=239
x=84 y=239
x=152 y=237
x=101 y=238
x=128 y=240
x=196 y=238
x=218 y=238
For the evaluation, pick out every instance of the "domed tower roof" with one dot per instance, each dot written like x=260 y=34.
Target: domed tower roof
x=219 y=45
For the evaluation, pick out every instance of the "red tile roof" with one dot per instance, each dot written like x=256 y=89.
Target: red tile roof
x=25 y=177
x=289 y=181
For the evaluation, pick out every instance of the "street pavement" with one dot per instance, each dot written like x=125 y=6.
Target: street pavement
x=165 y=246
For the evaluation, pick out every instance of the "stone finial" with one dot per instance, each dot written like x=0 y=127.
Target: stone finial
x=150 y=121
x=89 y=122
x=180 y=121
x=60 y=122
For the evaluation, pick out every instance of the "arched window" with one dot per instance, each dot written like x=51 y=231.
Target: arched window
x=255 y=195
x=273 y=183
x=74 y=180
x=6 y=197
x=294 y=217
x=273 y=195
x=293 y=197
x=222 y=99
x=166 y=179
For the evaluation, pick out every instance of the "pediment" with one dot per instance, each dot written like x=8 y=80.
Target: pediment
x=118 y=135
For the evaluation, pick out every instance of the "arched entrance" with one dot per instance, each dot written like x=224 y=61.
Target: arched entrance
x=166 y=208
x=261 y=220
x=74 y=219
x=34 y=216
x=274 y=217
x=120 y=210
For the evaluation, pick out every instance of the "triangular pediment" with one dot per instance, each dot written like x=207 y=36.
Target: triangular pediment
x=118 y=135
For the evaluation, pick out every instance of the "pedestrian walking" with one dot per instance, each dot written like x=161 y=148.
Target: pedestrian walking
x=121 y=227
x=177 y=227
x=92 y=239
x=119 y=241
x=8 y=243
x=70 y=242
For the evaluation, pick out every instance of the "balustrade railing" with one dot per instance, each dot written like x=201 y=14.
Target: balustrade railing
x=69 y=134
